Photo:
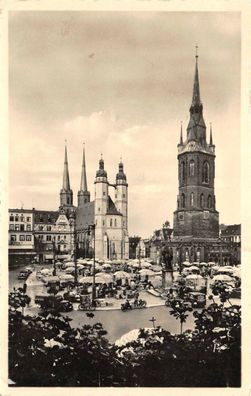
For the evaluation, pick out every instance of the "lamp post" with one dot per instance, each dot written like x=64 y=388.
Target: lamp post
x=54 y=261
x=92 y=227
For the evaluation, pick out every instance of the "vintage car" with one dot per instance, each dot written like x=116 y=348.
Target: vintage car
x=197 y=299
x=23 y=274
x=127 y=306
x=53 y=302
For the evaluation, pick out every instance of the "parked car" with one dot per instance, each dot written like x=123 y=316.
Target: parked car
x=53 y=302
x=23 y=274
x=197 y=299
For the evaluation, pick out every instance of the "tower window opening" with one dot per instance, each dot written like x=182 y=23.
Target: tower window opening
x=183 y=171
x=192 y=199
x=115 y=222
x=110 y=222
x=68 y=200
x=202 y=200
x=183 y=201
x=205 y=172
x=191 y=168
x=209 y=201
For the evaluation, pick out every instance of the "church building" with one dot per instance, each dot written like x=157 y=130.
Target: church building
x=109 y=217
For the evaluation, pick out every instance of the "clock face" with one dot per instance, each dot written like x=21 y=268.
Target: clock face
x=192 y=146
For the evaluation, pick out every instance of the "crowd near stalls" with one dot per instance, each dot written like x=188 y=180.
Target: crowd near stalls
x=99 y=283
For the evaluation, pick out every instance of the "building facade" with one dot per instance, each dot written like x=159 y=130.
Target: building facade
x=21 y=237
x=100 y=224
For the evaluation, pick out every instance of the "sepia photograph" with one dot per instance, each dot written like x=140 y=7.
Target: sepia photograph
x=124 y=213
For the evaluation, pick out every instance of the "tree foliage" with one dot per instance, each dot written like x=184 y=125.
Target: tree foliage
x=45 y=350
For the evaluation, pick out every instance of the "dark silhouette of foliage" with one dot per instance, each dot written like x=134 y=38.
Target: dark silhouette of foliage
x=44 y=350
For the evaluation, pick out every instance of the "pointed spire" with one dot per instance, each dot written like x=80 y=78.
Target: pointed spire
x=66 y=178
x=83 y=183
x=196 y=84
x=211 y=135
x=181 y=134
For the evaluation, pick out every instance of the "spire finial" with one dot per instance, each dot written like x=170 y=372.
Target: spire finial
x=196 y=85
x=196 y=51
x=101 y=155
x=211 y=134
x=181 y=133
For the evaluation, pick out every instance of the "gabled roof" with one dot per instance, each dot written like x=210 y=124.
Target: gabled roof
x=45 y=216
x=234 y=229
x=111 y=209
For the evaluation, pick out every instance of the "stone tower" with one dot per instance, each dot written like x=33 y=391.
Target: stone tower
x=100 y=208
x=83 y=193
x=196 y=215
x=66 y=195
x=121 y=195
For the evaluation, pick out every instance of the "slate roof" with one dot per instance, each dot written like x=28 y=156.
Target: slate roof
x=45 y=216
x=234 y=229
x=112 y=210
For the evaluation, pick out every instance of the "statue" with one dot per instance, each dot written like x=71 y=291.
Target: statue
x=167 y=267
x=167 y=258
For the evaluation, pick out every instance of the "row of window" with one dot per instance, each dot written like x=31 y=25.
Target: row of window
x=13 y=238
x=21 y=218
x=191 y=171
x=203 y=204
x=49 y=238
x=112 y=223
x=20 y=227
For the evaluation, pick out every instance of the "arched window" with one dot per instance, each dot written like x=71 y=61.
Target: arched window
x=202 y=200
x=205 y=172
x=110 y=222
x=115 y=223
x=192 y=199
x=68 y=200
x=191 y=168
x=183 y=171
x=209 y=201
x=183 y=201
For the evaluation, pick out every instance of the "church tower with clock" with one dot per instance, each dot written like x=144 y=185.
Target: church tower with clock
x=196 y=218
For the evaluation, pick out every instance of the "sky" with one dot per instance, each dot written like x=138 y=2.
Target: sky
x=122 y=83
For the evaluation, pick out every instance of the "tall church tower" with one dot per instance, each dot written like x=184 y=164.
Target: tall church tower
x=66 y=195
x=196 y=216
x=100 y=208
x=83 y=193
x=121 y=195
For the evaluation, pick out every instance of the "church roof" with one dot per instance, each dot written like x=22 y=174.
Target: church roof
x=111 y=209
x=85 y=215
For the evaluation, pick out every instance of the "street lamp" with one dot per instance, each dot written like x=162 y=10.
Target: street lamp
x=54 y=260
x=92 y=227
